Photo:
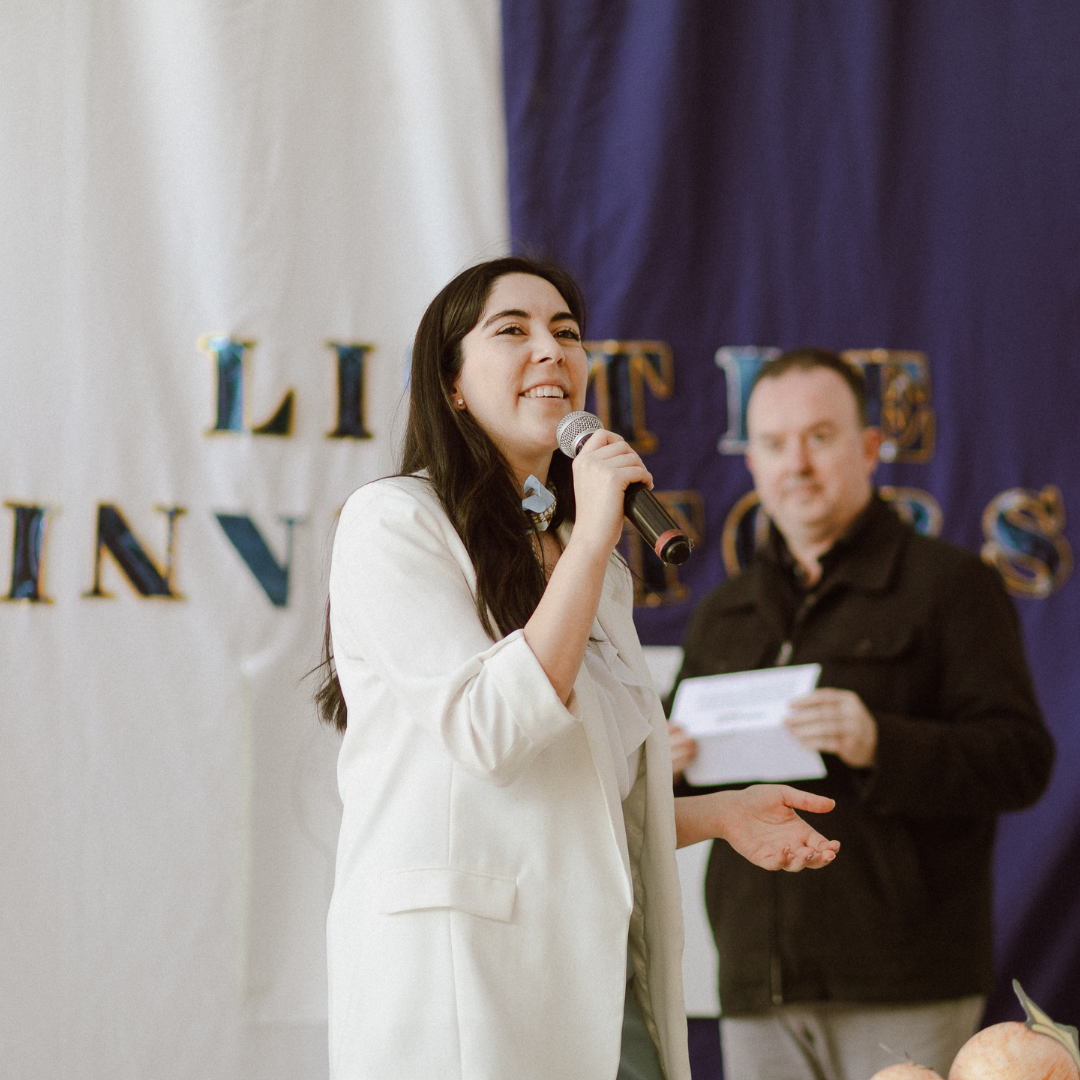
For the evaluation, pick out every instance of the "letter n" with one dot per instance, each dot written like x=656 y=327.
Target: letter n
x=115 y=537
x=28 y=553
x=253 y=549
x=350 y=376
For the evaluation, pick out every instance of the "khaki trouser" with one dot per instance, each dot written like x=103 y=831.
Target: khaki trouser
x=840 y=1041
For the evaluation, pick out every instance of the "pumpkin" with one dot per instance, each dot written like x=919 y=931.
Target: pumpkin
x=1036 y=1050
x=1012 y=1051
x=906 y=1071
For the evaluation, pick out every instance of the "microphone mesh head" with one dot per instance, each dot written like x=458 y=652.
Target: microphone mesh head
x=574 y=428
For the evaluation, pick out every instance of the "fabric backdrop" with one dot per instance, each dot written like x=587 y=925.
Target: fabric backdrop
x=895 y=175
x=281 y=174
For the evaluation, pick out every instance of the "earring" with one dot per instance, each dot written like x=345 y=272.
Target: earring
x=461 y=403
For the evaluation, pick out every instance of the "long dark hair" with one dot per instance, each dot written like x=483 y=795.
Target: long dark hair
x=471 y=477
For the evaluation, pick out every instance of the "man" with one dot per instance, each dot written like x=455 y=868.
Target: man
x=928 y=723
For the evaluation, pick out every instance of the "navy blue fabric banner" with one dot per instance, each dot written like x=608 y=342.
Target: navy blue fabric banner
x=896 y=179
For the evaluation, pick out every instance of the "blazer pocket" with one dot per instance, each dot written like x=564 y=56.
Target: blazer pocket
x=430 y=887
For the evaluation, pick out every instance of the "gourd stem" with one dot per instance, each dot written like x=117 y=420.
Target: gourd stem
x=1040 y=1023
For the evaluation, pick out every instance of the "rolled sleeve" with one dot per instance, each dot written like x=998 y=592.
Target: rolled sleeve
x=526 y=690
x=403 y=611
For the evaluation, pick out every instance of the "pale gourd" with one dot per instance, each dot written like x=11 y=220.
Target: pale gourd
x=1037 y=1050
x=906 y=1071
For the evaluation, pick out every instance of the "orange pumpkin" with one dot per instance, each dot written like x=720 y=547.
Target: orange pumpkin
x=906 y=1071
x=1011 y=1051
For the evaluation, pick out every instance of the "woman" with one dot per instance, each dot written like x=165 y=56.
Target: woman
x=506 y=901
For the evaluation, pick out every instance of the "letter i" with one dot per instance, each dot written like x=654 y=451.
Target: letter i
x=28 y=553
x=351 y=370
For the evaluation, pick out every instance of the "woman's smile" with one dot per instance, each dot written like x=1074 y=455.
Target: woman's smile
x=546 y=390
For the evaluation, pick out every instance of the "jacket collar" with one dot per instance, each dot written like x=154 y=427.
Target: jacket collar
x=864 y=559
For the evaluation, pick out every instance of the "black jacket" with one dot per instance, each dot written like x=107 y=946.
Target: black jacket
x=925 y=634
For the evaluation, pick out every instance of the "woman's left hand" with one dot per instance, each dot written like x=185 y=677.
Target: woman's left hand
x=760 y=823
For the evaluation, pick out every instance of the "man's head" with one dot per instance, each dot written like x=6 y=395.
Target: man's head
x=810 y=450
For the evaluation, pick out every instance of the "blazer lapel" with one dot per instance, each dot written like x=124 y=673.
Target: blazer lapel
x=608 y=615
x=592 y=722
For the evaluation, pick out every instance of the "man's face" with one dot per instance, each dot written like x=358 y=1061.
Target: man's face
x=810 y=456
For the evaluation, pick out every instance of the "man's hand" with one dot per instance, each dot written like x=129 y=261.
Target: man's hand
x=760 y=823
x=683 y=749
x=837 y=722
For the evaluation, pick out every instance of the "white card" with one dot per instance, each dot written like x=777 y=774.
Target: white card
x=737 y=721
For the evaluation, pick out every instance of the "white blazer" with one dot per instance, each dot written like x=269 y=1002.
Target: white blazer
x=486 y=878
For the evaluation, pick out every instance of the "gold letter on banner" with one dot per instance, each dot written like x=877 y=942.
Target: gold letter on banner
x=28 y=553
x=351 y=369
x=619 y=371
x=746 y=527
x=115 y=536
x=229 y=356
x=1025 y=540
x=898 y=400
x=916 y=507
x=745 y=530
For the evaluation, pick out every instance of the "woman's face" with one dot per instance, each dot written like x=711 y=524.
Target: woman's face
x=524 y=369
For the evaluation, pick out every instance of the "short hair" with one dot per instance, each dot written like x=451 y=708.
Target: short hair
x=806 y=360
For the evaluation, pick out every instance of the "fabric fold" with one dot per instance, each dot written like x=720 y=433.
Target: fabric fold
x=625 y=702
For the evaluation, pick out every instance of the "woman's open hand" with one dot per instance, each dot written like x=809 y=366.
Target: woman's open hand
x=760 y=823
x=604 y=468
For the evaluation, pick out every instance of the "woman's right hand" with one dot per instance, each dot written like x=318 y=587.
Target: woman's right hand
x=604 y=468
x=559 y=628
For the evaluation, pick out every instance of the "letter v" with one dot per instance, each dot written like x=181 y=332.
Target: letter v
x=248 y=541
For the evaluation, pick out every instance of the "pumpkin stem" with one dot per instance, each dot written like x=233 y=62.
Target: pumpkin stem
x=1039 y=1022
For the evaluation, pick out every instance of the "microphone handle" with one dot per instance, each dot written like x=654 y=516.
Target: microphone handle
x=656 y=525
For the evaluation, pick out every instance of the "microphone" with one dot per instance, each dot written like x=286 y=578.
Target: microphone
x=641 y=506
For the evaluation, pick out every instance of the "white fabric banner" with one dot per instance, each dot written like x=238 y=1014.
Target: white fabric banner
x=266 y=178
